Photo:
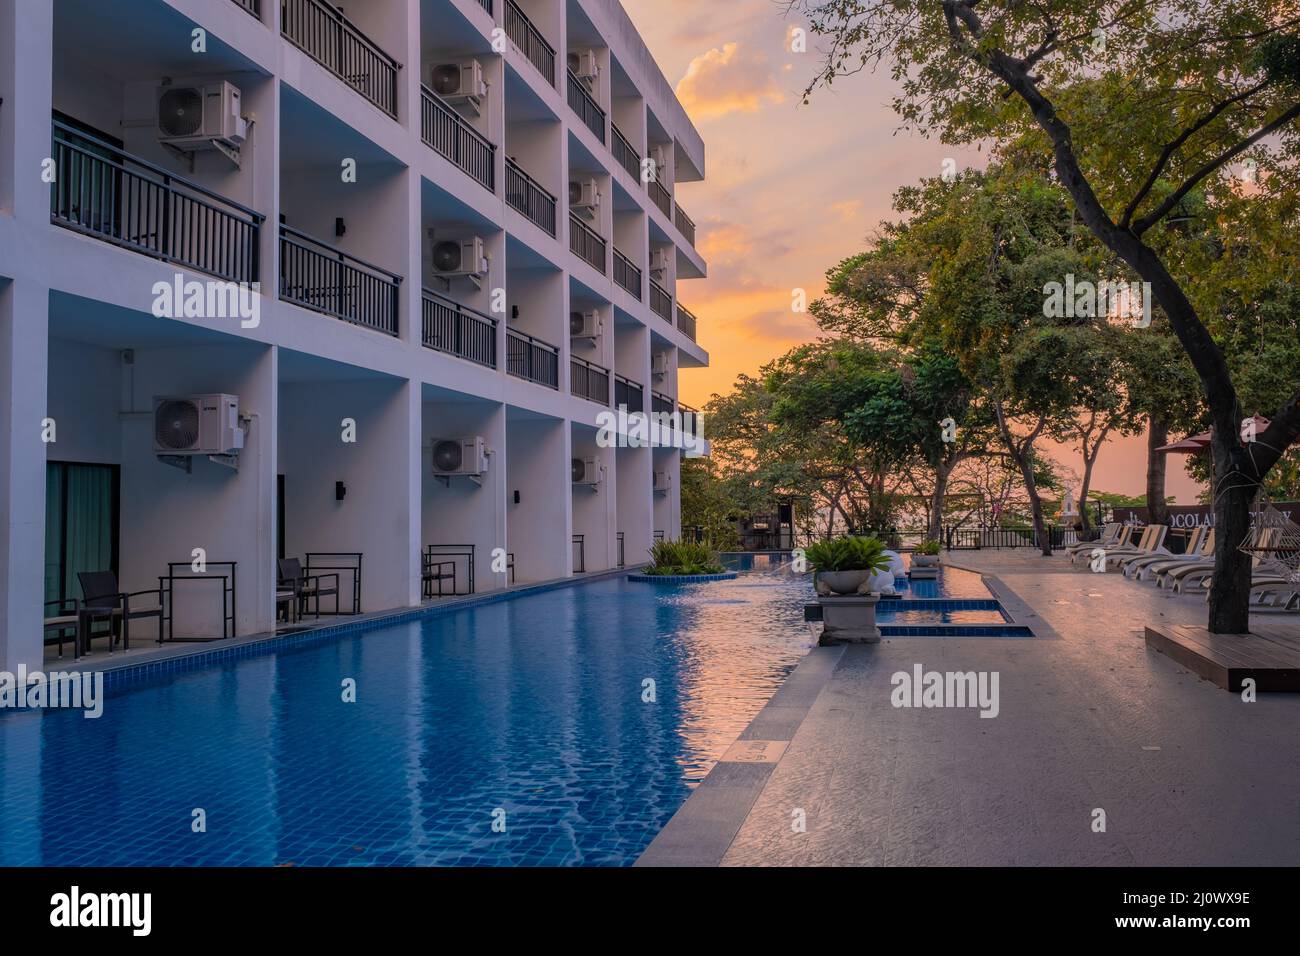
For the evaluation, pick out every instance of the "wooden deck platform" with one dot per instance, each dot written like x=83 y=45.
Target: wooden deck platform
x=1270 y=653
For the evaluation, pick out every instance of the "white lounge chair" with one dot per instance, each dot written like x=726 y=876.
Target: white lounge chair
x=1133 y=567
x=1152 y=538
x=1119 y=541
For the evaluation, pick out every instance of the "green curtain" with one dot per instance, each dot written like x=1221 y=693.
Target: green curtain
x=79 y=512
x=54 y=475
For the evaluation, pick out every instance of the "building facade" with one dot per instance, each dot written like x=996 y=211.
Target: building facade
x=421 y=245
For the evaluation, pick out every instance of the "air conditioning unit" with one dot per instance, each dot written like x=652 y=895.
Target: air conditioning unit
x=461 y=85
x=460 y=456
x=659 y=263
x=587 y=472
x=663 y=482
x=585 y=325
x=201 y=117
x=460 y=257
x=196 y=425
x=584 y=197
x=659 y=365
x=585 y=66
x=659 y=154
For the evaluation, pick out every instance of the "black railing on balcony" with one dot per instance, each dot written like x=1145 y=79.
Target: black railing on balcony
x=627 y=273
x=332 y=40
x=525 y=195
x=625 y=153
x=584 y=104
x=533 y=359
x=661 y=404
x=104 y=192
x=662 y=197
x=447 y=133
x=685 y=225
x=486 y=5
x=529 y=39
x=588 y=381
x=458 y=330
x=252 y=6
x=661 y=303
x=585 y=243
x=321 y=278
x=628 y=394
x=579 y=554
x=686 y=322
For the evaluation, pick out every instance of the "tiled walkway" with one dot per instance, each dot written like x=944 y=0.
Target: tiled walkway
x=1089 y=720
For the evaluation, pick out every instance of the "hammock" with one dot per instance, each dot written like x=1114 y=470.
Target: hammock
x=1274 y=542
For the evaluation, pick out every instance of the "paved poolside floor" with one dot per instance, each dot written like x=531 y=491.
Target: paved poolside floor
x=1187 y=773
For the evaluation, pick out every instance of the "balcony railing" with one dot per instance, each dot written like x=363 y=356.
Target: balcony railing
x=661 y=303
x=685 y=225
x=486 y=5
x=530 y=40
x=319 y=277
x=525 y=195
x=628 y=394
x=252 y=6
x=625 y=153
x=584 y=104
x=101 y=191
x=686 y=322
x=447 y=133
x=661 y=404
x=588 y=381
x=333 y=41
x=585 y=243
x=532 y=359
x=627 y=274
x=457 y=330
x=662 y=197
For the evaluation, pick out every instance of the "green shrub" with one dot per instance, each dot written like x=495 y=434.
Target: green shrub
x=683 y=557
x=848 y=554
x=929 y=547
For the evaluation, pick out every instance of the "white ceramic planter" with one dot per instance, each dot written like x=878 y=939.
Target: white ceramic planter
x=840 y=582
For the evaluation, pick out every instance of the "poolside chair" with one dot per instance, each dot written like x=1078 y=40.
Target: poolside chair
x=1157 y=569
x=1120 y=540
x=1152 y=538
x=1199 y=575
x=61 y=622
x=1109 y=534
x=307 y=587
x=102 y=599
x=436 y=572
x=1133 y=567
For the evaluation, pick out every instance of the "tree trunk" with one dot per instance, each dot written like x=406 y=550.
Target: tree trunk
x=942 y=472
x=1090 y=456
x=1233 y=496
x=1157 y=463
x=1035 y=502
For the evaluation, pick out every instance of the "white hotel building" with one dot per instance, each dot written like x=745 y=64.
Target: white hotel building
x=426 y=247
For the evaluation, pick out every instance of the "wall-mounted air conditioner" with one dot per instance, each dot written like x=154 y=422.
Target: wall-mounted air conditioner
x=585 y=325
x=190 y=425
x=663 y=482
x=659 y=154
x=587 y=472
x=201 y=117
x=585 y=65
x=659 y=365
x=584 y=197
x=462 y=85
x=460 y=456
x=460 y=257
x=659 y=263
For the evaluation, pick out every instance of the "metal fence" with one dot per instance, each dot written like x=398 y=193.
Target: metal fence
x=588 y=381
x=332 y=40
x=625 y=153
x=584 y=104
x=627 y=274
x=324 y=279
x=587 y=244
x=628 y=394
x=532 y=359
x=661 y=303
x=526 y=196
x=457 y=330
x=529 y=39
x=447 y=133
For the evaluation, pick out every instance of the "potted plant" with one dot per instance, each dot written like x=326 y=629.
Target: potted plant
x=682 y=559
x=926 y=554
x=846 y=565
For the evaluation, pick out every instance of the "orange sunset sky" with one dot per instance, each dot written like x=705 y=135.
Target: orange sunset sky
x=793 y=189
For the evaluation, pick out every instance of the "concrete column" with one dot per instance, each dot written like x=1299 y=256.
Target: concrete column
x=26 y=80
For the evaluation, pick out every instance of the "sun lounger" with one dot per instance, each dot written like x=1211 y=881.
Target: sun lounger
x=1152 y=538
x=1143 y=567
x=1085 y=550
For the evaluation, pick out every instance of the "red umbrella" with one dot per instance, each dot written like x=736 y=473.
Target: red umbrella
x=1195 y=444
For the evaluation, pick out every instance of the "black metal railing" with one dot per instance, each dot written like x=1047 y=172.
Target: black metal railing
x=319 y=277
x=447 y=133
x=686 y=322
x=457 y=330
x=101 y=191
x=625 y=153
x=628 y=394
x=588 y=381
x=661 y=404
x=998 y=537
x=532 y=359
x=622 y=542
x=586 y=243
x=579 y=554
x=627 y=273
x=526 y=196
x=661 y=303
x=252 y=6
x=332 y=40
x=529 y=39
x=486 y=5
x=685 y=224
x=662 y=197
x=584 y=104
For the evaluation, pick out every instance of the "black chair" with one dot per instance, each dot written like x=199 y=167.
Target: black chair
x=103 y=599
x=438 y=571
x=61 y=621
x=307 y=587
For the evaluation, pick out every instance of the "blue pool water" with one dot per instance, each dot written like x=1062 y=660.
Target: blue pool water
x=533 y=706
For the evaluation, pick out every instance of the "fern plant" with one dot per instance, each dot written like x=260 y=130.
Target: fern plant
x=848 y=554
x=683 y=557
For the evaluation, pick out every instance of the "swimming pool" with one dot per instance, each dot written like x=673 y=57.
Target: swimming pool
x=535 y=706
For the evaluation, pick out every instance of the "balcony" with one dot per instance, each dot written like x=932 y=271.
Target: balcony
x=587 y=244
x=528 y=198
x=661 y=197
x=625 y=154
x=588 y=381
x=486 y=5
x=686 y=322
x=584 y=104
x=530 y=41
x=319 y=277
x=532 y=359
x=103 y=192
x=628 y=394
x=252 y=6
x=333 y=41
x=627 y=274
x=685 y=225
x=661 y=303
x=452 y=328
x=448 y=134
x=661 y=404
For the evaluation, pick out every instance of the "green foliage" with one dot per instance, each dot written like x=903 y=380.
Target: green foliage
x=707 y=504
x=683 y=557
x=928 y=547
x=848 y=554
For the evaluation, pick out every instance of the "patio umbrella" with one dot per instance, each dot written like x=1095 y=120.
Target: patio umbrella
x=1195 y=444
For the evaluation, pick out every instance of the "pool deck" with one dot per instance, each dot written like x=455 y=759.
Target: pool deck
x=1090 y=719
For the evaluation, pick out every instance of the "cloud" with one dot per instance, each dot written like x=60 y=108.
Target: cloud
x=730 y=79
